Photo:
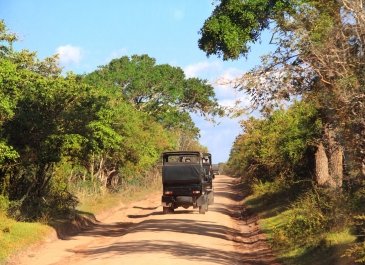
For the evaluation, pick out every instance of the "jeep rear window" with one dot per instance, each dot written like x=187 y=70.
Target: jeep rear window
x=181 y=159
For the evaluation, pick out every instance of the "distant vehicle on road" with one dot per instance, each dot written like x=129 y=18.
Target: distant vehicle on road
x=215 y=169
x=186 y=181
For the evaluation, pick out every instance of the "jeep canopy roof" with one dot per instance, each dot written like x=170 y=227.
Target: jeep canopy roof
x=182 y=157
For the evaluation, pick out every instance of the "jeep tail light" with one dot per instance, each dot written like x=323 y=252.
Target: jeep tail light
x=196 y=191
x=168 y=192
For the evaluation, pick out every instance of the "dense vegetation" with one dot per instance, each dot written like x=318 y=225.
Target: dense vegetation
x=98 y=132
x=104 y=130
x=312 y=153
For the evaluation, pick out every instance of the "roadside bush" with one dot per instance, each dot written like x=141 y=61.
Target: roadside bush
x=269 y=188
x=360 y=227
x=304 y=225
x=4 y=203
x=55 y=200
x=277 y=146
x=310 y=218
x=357 y=252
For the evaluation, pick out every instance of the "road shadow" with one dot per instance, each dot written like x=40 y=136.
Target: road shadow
x=108 y=230
x=186 y=226
x=145 y=208
x=138 y=216
x=78 y=221
x=187 y=251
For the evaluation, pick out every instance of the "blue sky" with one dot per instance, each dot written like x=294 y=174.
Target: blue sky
x=89 y=33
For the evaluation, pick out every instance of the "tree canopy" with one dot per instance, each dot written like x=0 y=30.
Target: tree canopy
x=235 y=24
x=161 y=91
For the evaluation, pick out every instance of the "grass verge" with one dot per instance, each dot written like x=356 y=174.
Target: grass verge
x=274 y=211
x=16 y=236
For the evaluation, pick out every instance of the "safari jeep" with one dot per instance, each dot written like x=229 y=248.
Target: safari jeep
x=185 y=181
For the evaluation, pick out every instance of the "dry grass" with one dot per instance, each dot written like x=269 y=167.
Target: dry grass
x=97 y=203
x=16 y=236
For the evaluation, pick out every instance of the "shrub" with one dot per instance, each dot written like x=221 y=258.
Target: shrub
x=357 y=251
x=305 y=223
x=310 y=218
x=4 y=203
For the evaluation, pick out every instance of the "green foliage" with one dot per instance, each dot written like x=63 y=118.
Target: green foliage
x=161 y=91
x=360 y=226
x=6 y=39
x=276 y=146
x=357 y=250
x=7 y=153
x=61 y=117
x=4 y=204
x=305 y=224
x=285 y=208
x=234 y=24
x=9 y=91
x=310 y=219
x=56 y=130
x=269 y=189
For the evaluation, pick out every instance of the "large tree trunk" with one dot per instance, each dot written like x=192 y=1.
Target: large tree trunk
x=321 y=160
x=335 y=152
x=336 y=165
x=329 y=161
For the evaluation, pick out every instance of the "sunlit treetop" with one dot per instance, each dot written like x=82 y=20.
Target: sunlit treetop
x=235 y=24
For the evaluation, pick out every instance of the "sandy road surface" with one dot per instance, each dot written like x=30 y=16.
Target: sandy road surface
x=141 y=234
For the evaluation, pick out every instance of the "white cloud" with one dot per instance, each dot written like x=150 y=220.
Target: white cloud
x=233 y=73
x=69 y=54
x=194 y=70
x=228 y=102
x=117 y=54
x=236 y=102
x=228 y=78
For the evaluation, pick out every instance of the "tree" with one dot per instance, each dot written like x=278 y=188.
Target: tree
x=319 y=57
x=235 y=24
x=161 y=91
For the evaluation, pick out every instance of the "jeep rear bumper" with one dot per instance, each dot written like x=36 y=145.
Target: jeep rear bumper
x=176 y=201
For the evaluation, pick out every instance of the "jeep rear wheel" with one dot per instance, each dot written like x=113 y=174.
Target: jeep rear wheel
x=167 y=210
x=203 y=208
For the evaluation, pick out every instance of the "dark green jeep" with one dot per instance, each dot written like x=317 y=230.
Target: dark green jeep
x=186 y=182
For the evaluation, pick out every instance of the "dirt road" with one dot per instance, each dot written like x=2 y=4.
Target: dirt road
x=141 y=234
